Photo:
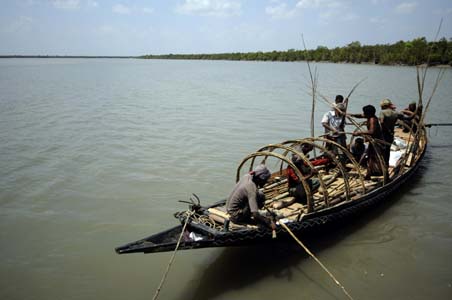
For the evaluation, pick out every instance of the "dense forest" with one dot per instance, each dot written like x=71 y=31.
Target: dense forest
x=417 y=51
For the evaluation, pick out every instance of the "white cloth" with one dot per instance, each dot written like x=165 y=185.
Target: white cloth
x=398 y=143
x=333 y=120
x=395 y=156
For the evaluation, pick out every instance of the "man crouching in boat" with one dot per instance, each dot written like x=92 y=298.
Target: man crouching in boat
x=245 y=200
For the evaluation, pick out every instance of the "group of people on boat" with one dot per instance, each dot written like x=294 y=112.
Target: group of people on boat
x=246 y=199
x=379 y=133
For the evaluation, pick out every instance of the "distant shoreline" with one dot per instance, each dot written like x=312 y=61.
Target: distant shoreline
x=402 y=53
x=211 y=59
x=63 y=56
x=418 y=51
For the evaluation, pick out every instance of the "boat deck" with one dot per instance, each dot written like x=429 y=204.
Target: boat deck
x=334 y=191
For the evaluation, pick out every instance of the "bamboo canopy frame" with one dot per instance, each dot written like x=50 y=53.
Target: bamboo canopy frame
x=266 y=154
x=289 y=147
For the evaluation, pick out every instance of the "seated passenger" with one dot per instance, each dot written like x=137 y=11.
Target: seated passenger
x=358 y=150
x=244 y=201
x=295 y=187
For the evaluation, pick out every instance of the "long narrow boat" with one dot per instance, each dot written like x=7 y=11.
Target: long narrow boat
x=343 y=192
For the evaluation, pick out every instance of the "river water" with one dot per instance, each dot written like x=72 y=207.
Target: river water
x=95 y=153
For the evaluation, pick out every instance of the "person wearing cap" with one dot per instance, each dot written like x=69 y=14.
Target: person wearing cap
x=333 y=122
x=245 y=199
x=388 y=119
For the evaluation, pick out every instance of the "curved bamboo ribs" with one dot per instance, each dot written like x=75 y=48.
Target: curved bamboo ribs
x=333 y=189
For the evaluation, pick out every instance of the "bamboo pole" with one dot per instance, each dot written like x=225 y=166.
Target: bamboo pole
x=316 y=259
x=430 y=53
x=314 y=81
x=157 y=292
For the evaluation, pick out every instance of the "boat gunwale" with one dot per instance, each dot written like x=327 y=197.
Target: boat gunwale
x=243 y=236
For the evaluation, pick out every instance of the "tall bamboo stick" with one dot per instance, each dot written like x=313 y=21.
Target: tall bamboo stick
x=316 y=259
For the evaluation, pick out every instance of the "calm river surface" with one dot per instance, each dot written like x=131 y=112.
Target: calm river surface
x=95 y=153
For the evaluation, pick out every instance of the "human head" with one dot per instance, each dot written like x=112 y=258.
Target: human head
x=359 y=141
x=339 y=99
x=369 y=111
x=412 y=106
x=339 y=107
x=386 y=103
x=304 y=148
x=261 y=174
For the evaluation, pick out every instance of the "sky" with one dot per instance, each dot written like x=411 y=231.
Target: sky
x=130 y=28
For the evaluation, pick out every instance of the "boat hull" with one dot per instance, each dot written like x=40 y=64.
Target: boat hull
x=167 y=240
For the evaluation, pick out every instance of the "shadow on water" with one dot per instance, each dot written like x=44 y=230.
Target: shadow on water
x=237 y=268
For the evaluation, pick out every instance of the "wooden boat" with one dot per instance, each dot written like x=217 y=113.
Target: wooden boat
x=343 y=192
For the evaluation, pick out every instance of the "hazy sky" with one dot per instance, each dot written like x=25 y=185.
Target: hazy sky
x=112 y=27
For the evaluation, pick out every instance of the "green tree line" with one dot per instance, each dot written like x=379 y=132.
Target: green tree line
x=414 y=52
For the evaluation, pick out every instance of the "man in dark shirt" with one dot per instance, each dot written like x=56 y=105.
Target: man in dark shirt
x=295 y=186
x=388 y=119
x=358 y=150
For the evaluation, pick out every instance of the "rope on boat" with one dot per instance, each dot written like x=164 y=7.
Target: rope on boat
x=157 y=292
x=316 y=259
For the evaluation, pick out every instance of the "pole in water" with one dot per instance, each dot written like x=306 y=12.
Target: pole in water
x=157 y=292
x=316 y=259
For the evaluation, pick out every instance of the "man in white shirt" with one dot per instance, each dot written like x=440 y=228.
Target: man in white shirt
x=334 y=124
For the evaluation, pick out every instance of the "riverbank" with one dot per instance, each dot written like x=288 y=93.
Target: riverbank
x=409 y=53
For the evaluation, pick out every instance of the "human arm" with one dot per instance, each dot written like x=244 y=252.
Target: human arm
x=373 y=122
x=326 y=122
x=329 y=128
x=252 y=202
x=360 y=116
x=264 y=220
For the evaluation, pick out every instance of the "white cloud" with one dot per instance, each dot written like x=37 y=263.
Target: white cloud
x=328 y=14
x=210 y=7
x=148 y=10
x=121 y=9
x=377 y=20
x=105 y=29
x=21 y=24
x=280 y=11
x=308 y=3
x=324 y=9
x=92 y=3
x=66 y=4
x=446 y=11
x=406 y=7
x=318 y=3
x=350 y=17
